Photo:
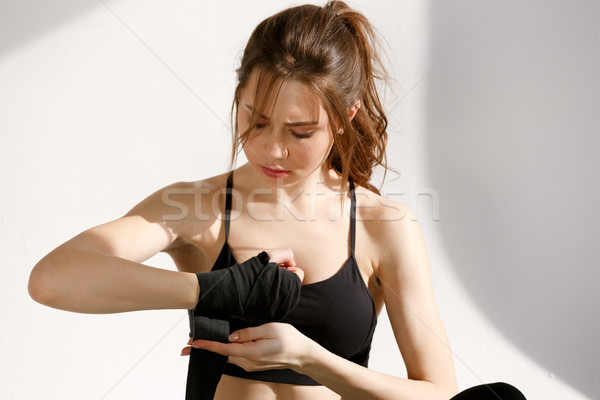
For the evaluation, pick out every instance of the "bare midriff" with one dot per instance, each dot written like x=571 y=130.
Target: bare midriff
x=231 y=387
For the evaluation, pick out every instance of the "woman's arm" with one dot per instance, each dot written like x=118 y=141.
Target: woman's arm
x=99 y=270
x=354 y=382
x=403 y=270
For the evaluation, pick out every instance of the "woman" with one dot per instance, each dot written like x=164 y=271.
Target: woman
x=308 y=117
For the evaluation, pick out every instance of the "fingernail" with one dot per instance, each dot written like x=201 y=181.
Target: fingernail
x=234 y=337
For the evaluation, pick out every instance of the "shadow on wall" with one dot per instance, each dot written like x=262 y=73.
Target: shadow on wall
x=513 y=142
x=28 y=19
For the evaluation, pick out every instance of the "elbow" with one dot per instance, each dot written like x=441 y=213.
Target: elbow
x=40 y=286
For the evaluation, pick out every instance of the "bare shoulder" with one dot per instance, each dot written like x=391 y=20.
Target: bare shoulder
x=186 y=209
x=390 y=227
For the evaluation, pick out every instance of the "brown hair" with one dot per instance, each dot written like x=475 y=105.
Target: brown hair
x=333 y=50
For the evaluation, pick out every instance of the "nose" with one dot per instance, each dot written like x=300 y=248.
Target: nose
x=275 y=146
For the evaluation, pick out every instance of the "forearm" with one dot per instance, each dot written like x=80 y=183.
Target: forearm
x=86 y=281
x=353 y=381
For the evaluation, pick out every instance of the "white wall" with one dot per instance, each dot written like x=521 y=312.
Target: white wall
x=494 y=117
x=511 y=145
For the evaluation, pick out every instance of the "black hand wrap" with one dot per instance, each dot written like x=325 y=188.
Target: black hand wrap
x=256 y=291
x=205 y=367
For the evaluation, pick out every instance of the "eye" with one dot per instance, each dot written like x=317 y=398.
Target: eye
x=301 y=135
x=261 y=123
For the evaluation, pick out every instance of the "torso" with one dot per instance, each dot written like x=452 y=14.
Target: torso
x=321 y=253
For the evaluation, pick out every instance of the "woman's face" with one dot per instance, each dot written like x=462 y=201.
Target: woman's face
x=292 y=139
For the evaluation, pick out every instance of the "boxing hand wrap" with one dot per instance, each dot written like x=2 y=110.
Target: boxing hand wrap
x=205 y=367
x=256 y=291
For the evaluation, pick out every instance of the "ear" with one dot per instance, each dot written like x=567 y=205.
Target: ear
x=353 y=110
x=351 y=113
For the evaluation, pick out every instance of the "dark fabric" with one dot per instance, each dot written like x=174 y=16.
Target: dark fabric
x=491 y=391
x=338 y=312
x=251 y=291
x=286 y=376
x=205 y=367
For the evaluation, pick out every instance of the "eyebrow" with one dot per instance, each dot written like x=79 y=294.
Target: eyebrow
x=299 y=123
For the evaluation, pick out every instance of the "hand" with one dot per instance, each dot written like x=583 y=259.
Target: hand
x=285 y=259
x=274 y=345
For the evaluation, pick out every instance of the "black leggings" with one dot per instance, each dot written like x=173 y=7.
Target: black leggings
x=491 y=391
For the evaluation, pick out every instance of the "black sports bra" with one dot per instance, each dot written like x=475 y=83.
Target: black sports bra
x=338 y=312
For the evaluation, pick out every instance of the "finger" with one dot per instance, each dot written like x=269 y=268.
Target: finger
x=298 y=271
x=226 y=349
x=290 y=262
x=265 y=331
x=283 y=257
x=190 y=341
x=186 y=351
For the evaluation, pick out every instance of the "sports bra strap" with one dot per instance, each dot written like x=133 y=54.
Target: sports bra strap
x=228 y=193
x=352 y=217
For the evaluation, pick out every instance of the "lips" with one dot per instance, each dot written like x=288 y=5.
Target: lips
x=274 y=172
